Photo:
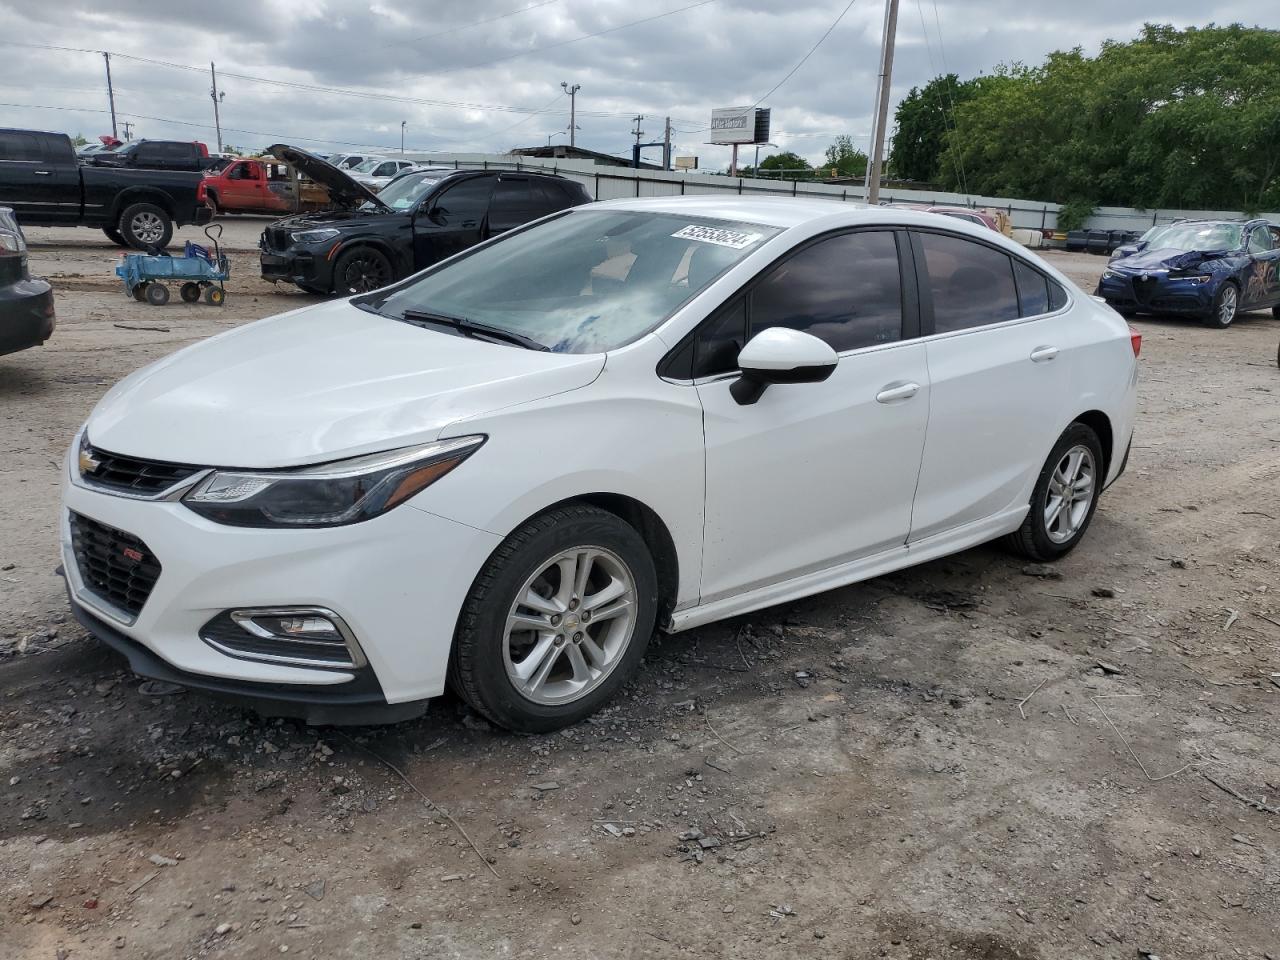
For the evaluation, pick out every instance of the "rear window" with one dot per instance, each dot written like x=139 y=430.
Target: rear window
x=971 y=284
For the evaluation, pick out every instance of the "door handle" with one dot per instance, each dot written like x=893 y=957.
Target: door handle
x=42 y=173
x=898 y=390
x=1043 y=354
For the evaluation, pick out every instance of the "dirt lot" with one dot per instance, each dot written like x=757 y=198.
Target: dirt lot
x=928 y=765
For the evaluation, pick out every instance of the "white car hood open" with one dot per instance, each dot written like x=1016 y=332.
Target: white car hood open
x=320 y=384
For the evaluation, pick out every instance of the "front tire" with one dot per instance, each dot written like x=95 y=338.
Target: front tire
x=145 y=226
x=556 y=622
x=361 y=270
x=1225 y=306
x=1064 y=499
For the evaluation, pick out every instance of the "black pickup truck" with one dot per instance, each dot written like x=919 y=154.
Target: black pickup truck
x=44 y=183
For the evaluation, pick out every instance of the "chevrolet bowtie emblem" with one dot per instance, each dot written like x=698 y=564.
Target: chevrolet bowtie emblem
x=88 y=462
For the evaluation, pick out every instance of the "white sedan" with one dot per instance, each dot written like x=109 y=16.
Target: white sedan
x=506 y=471
x=377 y=173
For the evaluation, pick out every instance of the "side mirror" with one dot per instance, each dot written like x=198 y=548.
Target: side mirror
x=779 y=355
x=435 y=215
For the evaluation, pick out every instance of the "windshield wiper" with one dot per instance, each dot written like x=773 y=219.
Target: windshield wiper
x=472 y=328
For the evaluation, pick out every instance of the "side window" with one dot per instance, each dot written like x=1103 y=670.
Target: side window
x=971 y=284
x=514 y=203
x=720 y=340
x=846 y=290
x=148 y=153
x=1057 y=296
x=387 y=169
x=464 y=204
x=19 y=146
x=1033 y=289
x=554 y=196
x=1275 y=237
x=1259 y=240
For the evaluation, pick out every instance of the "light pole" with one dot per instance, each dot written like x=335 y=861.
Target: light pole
x=572 y=91
x=755 y=168
x=402 y=123
x=558 y=133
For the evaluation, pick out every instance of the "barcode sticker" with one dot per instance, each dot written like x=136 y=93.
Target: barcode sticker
x=722 y=238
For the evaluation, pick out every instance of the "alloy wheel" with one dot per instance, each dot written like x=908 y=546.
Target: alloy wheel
x=1070 y=495
x=570 y=625
x=1227 y=303
x=147 y=227
x=364 y=274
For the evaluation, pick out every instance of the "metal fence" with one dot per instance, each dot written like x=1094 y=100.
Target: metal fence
x=612 y=183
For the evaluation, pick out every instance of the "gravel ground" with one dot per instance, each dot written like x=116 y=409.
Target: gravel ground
x=969 y=759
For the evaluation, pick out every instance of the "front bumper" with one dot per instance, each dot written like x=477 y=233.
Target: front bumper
x=26 y=315
x=306 y=267
x=1159 y=293
x=398 y=581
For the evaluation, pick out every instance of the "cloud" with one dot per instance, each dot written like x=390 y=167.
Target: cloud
x=460 y=77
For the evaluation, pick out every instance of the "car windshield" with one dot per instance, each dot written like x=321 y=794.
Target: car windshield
x=1198 y=236
x=369 y=165
x=585 y=282
x=404 y=192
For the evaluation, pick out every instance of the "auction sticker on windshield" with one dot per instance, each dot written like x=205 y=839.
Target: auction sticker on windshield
x=722 y=238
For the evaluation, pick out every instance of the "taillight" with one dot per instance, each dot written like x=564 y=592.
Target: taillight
x=202 y=192
x=1135 y=340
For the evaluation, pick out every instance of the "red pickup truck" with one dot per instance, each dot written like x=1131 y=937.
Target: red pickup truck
x=261 y=186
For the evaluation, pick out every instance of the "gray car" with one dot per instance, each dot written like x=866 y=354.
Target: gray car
x=26 y=304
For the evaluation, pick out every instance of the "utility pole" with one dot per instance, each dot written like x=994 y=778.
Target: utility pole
x=402 y=123
x=572 y=91
x=111 y=94
x=666 y=145
x=637 y=132
x=882 y=106
x=128 y=131
x=213 y=92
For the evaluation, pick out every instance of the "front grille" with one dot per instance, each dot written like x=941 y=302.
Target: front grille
x=1142 y=289
x=274 y=238
x=135 y=475
x=225 y=634
x=115 y=566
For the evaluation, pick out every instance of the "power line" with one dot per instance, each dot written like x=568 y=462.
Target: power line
x=476 y=23
x=811 y=52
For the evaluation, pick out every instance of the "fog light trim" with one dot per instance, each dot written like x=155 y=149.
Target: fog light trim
x=307 y=647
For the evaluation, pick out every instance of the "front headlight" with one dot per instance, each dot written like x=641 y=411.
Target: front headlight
x=1110 y=275
x=313 y=236
x=330 y=494
x=1195 y=278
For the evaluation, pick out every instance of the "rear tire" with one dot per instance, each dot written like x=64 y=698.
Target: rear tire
x=190 y=292
x=535 y=679
x=145 y=226
x=157 y=294
x=1055 y=524
x=1225 y=306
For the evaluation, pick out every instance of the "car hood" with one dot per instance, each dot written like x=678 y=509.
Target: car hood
x=340 y=219
x=318 y=384
x=342 y=189
x=1168 y=258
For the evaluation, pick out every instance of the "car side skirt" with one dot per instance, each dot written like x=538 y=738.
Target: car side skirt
x=855 y=571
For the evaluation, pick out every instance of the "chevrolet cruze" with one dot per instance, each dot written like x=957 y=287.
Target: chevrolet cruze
x=503 y=473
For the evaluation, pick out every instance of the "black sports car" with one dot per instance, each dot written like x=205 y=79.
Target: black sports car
x=26 y=304
x=1209 y=269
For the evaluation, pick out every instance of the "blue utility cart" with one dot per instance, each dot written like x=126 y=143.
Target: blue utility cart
x=201 y=273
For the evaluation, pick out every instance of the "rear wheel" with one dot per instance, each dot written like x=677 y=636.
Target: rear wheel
x=1225 y=305
x=190 y=292
x=556 y=621
x=1064 y=498
x=157 y=294
x=145 y=225
x=140 y=293
x=361 y=270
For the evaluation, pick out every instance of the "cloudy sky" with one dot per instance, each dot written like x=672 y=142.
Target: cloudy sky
x=485 y=75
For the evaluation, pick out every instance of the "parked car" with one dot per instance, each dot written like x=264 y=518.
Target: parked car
x=349 y=161
x=969 y=214
x=1138 y=244
x=104 y=143
x=376 y=174
x=45 y=185
x=423 y=217
x=26 y=304
x=1210 y=269
x=156 y=155
x=261 y=186
x=504 y=471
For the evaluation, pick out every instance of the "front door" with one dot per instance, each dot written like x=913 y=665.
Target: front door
x=1262 y=279
x=1000 y=360
x=38 y=185
x=813 y=475
x=452 y=220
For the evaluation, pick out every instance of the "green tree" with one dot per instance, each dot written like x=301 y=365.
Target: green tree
x=79 y=140
x=846 y=159
x=921 y=123
x=795 y=165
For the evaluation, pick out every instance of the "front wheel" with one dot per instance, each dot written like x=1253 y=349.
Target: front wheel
x=361 y=270
x=1225 y=306
x=1064 y=498
x=556 y=621
x=157 y=294
x=190 y=292
x=146 y=226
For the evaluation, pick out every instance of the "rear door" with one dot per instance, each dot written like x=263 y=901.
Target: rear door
x=1262 y=276
x=453 y=220
x=1000 y=342
x=39 y=177
x=516 y=201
